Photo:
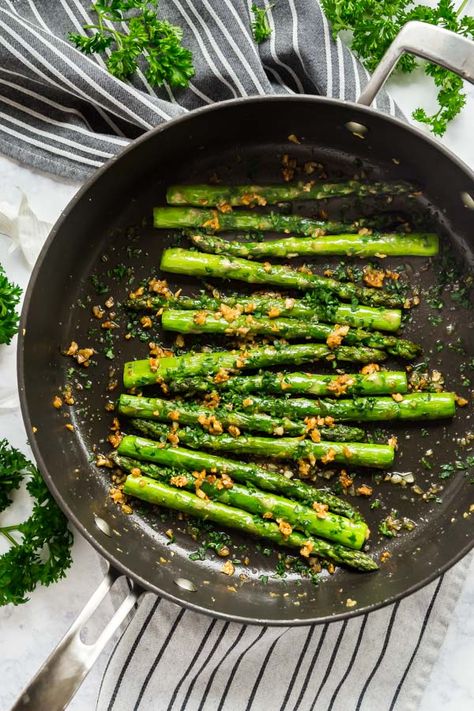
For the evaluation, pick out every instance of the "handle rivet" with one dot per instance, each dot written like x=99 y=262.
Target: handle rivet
x=467 y=200
x=185 y=584
x=357 y=129
x=103 y=526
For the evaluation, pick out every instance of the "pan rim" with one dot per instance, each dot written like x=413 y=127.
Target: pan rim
x=49 y=480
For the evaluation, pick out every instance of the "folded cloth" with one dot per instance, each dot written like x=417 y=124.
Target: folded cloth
x=62 y=112
x=171 y=659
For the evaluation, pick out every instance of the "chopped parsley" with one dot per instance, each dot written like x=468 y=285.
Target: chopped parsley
x=447 y=470
x=261 y=29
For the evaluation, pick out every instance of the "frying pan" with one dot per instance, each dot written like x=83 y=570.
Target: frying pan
x=240 y=140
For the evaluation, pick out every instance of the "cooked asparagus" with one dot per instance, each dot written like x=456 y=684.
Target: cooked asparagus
x=312 y=305
x=248 y=195
x=355 y=454
x=215 y=323
x=374 y=244
x=214 y=221
x=156 y=492
x=412 y=406
x=382 y=382
x=246 y=472
x=183 y=261
x=216 y=419
x=162 y=370
x=319 y=522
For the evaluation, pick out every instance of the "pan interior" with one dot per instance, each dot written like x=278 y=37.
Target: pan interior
x=105 y=243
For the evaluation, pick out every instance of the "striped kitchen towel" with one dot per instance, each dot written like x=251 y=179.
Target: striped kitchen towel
x=62 y=112
x=170 y=659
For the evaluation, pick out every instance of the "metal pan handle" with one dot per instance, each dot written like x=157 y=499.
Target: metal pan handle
x=62 y=673
x=429 y=42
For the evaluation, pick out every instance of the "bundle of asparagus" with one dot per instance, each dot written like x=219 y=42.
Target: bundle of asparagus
x=314 y=305
x=251 y=414
x=246 y=508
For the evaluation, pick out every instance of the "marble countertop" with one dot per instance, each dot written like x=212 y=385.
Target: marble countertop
x=29 y=632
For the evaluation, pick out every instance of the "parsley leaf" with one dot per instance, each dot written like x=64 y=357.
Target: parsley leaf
x=447 y=470
x=147 y=39
x=12 y=463
x=260 y=27
x=40 y=551
x=375 y=24
x=9 y=298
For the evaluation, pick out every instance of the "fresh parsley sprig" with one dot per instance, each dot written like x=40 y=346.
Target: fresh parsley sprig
x=154 y=42
x=375 y=24
x=261 y=29
x=40 y=547
x=9 y=298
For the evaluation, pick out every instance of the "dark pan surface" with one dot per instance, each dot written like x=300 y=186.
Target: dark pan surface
x=108 y=224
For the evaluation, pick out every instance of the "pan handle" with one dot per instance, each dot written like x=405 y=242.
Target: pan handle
x=62 y=673
x=429 y=42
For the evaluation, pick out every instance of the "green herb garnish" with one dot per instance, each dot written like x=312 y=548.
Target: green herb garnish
x=375 y=24
x=260 y=27
x=147 y=39
x=40 y=551
x=9 y=298
x=98 y=285
x=447 y=470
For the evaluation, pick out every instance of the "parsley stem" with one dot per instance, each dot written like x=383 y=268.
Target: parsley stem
x=14 y=527
x=461 y=7
x=7 y=535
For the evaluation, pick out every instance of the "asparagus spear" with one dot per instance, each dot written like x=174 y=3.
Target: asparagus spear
x=360 y=454
x=381 y=382
x=156 y=492
x=416 y=244
x=214 y=221
x=352 y=534
x=152 y=408
x=214 y=322
x=245 y=472
x=413 y=406
x=217 y=195
x=147 y=372
x=183 y=261
x=312 y=305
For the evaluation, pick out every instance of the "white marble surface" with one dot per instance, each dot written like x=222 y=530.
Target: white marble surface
x=29 y=632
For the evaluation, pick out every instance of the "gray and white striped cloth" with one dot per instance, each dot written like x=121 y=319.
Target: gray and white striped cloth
x=170 y=659
x=63 y=113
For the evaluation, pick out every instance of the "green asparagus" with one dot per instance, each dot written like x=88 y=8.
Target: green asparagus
x=151 y=371
x=377 y=244
x=166 y=455
x=218 y=195
x=183 y=261
x=382 y=382
x=413 y=406
x=214 y=322
x=312 y=305
x=320 y=522
x=152 y=408
x=214 y=221
x=156 y=492
x=360 y=454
